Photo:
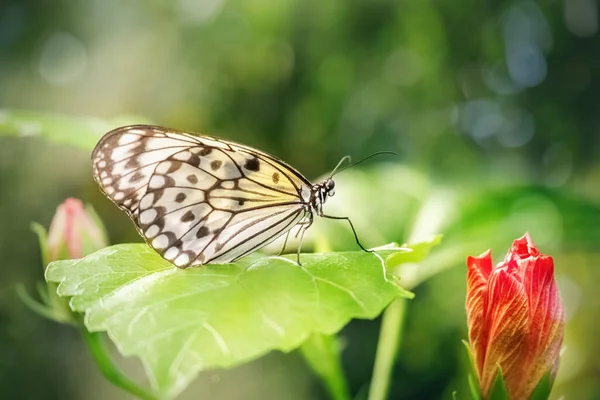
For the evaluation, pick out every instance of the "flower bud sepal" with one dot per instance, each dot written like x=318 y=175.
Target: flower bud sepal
x=499 y=391
x=541 y=391
x=75 y=231
x=50 y=305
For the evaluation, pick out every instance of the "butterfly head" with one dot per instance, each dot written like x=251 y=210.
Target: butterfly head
x=321 y=191
x=329 y=186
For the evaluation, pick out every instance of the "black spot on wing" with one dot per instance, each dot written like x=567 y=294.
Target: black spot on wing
x=202 y=232
x=252 y=164
x=187 y=217
x=194 y=161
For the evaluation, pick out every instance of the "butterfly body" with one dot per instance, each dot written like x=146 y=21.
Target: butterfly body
x=200 y=199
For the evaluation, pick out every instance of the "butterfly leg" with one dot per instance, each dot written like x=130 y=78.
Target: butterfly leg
x=351 y=226
x=287 y=235
x=307 y=222
x=303 y=229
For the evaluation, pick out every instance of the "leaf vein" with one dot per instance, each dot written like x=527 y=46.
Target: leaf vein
x=218 y=339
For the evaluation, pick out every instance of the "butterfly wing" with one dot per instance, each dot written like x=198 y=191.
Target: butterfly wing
x=124 y=160
x=198 y=199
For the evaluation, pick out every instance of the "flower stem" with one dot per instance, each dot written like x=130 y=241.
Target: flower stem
x=97 y=347
x=387 y=349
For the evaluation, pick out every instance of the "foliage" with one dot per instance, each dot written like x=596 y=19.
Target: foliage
x=182 y=321
x=78 y=132
x=491 y=106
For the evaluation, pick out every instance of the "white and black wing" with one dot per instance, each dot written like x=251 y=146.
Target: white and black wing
x=198 y=199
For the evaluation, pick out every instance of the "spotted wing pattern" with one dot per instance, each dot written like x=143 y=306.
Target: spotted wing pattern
x=198 y=199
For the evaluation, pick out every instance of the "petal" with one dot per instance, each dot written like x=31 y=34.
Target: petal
x=546 y=319
x=505 y=325
x=65 y=230
x=521 y=248
x=56 y=237
x=74 y=215
x=478 y=272
x=483 y=264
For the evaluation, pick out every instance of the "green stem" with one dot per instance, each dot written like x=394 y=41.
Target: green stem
x=96 y=344
x=322 y=353
x=387 y=349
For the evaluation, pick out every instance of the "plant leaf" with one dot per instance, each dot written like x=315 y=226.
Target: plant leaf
x=499 y=391
x=75 y=131
x=45 y=310
x=182 y=321
x=474 y=387
x=42 y=235
x=51 y=306
x=473 y=383
x=543 y=389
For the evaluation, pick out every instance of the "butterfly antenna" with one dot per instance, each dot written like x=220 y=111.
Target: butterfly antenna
x=336 y=171
x=338 y=165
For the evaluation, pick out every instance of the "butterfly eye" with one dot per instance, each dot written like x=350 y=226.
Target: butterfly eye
x=330 y=185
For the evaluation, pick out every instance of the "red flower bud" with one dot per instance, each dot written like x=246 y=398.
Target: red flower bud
x=515 y=317
x=74 y=232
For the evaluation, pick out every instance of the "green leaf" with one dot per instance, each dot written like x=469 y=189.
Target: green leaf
x=474 y=387
x=322 y=353
x=44 y=308
x=473 y=383
x=51 y=306
x=543 y=389
x=42 y=235
x=492 y=216
x=418 y=252
x=182 y=321
x=75 y=131
x=499 y=391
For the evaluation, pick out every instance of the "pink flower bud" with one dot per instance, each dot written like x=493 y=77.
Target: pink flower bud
x=515 y=317
x=73 y=232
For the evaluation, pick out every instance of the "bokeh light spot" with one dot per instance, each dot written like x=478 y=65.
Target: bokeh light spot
x=199 y=12
x=518 y=128
x=29 y=129
x=581 y=17
x=526 y=36
x=402 y=68
x=558 y=165
x=539 y=216
x=63 y=59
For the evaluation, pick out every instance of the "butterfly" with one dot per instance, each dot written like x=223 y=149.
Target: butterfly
x=198 y=199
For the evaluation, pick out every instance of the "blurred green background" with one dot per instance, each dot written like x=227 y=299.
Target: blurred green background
x=492 y=106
